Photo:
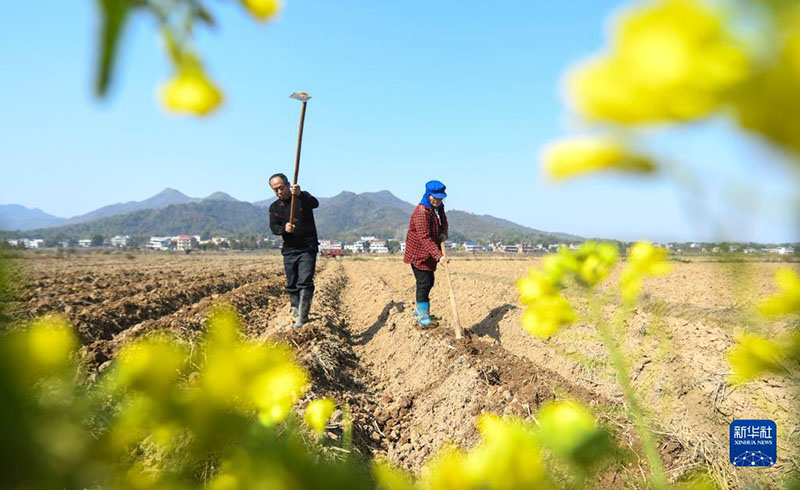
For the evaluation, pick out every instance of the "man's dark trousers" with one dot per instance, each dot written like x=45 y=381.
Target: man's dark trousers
x=300 y=264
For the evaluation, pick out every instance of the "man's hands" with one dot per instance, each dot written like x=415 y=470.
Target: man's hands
x=444 y=259
x=289 y=228
x=443 y=237
x=295 y=189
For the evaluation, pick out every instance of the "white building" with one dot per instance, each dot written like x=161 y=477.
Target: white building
x=185 y=242
x=780 y=250
x=35 y=243
x=402 y=246
x=159 y=242
x=331 y=245
x=85 y=242
x=354 y=247
x=120 y=241
x=450 y=245
x=470 y=246
x=378 y=247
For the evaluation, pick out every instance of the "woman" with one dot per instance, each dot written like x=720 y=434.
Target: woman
x=427 y=229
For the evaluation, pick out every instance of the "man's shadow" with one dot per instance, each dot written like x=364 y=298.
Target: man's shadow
x=490 y=326
x=379 y=323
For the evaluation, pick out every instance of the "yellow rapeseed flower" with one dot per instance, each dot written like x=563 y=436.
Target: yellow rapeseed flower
x=318 y=412
x=769 y=104
x=387 y=477
x=536 y=285
x=582 y=155
x=753 y=356
x=560 y=263
x=191 y=92
x=508 y=456
x=150 y=365
x=644 y=260
x=571 y=431
x=596 y=260
x=547 y=315
x=788 y=300
x=275 y=391
x=670 y=60
x=262 y=10
x=51 y=343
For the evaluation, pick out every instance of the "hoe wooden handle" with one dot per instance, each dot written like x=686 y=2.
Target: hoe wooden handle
x=297 y=158
x=456 y=320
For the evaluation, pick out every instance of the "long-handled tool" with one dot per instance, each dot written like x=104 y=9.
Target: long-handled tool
x=303 y=97
x=456 y=320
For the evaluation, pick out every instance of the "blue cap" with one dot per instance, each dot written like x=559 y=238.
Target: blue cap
x=436 y=189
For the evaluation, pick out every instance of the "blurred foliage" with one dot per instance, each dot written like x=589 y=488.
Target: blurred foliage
x=548 y=310
x=219 y=415
x=680 y=61
x=190 y=91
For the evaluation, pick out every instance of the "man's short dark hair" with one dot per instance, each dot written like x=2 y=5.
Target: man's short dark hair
x=282 y=176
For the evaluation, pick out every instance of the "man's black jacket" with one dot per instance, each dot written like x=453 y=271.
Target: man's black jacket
x=305 y=230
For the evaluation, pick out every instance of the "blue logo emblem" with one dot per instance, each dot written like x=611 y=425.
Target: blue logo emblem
x=754 y=443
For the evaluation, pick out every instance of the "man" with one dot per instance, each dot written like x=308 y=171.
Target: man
x=300 y=243
x=427 y=229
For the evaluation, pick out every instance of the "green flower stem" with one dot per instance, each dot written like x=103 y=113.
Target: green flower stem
x=658 y=478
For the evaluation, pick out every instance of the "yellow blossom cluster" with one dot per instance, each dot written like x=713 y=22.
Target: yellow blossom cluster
x=540 y=291
x=788 y=300
x=318 y=413
x=262 y=10
x=582 y=155
x=190 y=91
x=769 y=103
x=755 y=355
x=510 y=454
x=644 y=260
x=161 y=409
x=670 y=60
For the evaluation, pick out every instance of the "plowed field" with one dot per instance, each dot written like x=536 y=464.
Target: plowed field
x=411 y=390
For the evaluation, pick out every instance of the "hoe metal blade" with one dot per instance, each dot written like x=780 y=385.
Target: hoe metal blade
x=301 y=96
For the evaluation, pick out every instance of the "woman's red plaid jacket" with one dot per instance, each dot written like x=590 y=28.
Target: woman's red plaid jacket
x=424 y=236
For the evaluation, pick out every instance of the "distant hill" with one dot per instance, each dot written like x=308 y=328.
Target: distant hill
x=16 y=217
x=163 y=199
x=345 y=216
x=212 y=215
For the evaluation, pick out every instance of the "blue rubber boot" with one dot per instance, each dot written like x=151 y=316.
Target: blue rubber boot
x=423 y=312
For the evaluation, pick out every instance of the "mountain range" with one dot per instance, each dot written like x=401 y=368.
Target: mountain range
x=345 y=216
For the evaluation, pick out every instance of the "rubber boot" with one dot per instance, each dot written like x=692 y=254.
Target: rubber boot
x=423 y=312
x=294 y=301
x=306 y=295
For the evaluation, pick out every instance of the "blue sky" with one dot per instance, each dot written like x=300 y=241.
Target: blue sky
x=463 y=92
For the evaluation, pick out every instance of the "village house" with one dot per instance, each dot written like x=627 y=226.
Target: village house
x=159 y=243
x=120 y=241
x=378 y=247
x=525 y=248
x=780 y=250
x=85 y=242
x=185 y=242
x=331 y=245
x=470 y=246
